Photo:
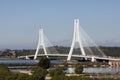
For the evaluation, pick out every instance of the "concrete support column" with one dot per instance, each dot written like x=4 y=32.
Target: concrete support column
x=41 y=43
x=76 y=39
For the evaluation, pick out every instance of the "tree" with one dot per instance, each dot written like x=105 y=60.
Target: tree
x=44 y=63
x=56 y=72
x=58 y=77
x=22 y=76
x=5 y=73
x=39 y=70
x=79 y=69
x=38 y=73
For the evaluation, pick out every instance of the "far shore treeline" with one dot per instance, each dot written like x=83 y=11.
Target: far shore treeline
x=109 y=51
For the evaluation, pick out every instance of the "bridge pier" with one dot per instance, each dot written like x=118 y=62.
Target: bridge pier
x=93 y=59
x=114 y=63
x=26 y=57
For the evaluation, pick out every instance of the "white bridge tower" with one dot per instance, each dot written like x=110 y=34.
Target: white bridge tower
x=40 y=43
x=76 y=39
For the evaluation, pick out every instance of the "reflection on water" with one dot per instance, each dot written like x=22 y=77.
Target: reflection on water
x=101 y=70
x=25 y=61
x=88 y=70
x=95 y=70
x=18 y=61
x=18 y=70
x=85 y=70
x=69 y=70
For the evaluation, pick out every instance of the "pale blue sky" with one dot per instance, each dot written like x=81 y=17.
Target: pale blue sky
x=21 y=19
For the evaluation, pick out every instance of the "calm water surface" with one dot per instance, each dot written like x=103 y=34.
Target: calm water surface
x=69 y=70
x=25 y=61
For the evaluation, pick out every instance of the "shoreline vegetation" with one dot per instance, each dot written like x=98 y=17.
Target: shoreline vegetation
x=40 y=71
x=45 y=70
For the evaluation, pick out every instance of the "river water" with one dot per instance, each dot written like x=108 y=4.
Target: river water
x=96 y=70
x=5 y=61
x=69 y=70
x=102 y=70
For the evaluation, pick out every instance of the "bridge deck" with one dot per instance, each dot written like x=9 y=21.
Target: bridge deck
x=66 y=55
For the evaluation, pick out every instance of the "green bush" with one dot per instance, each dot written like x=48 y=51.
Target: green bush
x=56 y=72
x=44 y=63
x=79 y=69
x=4 y=72
x=62 y=77
x=13 y=76
x=22 y=76
x=58 y=77
x=39 y=71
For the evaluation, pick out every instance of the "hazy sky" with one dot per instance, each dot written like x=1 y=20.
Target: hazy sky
x=21 y=19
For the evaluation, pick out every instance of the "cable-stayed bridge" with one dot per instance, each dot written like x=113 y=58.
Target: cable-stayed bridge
x=77 y=56
x=88 y=49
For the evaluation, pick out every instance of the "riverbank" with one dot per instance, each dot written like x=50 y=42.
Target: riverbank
x=61 y=70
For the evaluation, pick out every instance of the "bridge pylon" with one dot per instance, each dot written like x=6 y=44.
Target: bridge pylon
x=93 y=59
x=41 y=43
x=76 y=39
